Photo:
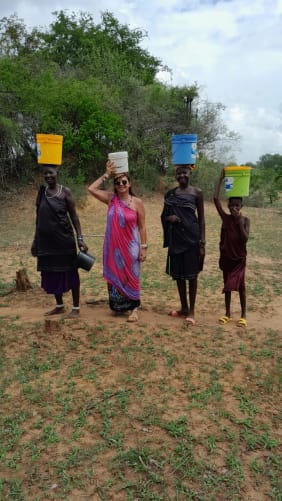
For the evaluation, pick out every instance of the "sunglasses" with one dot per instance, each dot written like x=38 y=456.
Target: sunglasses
x=120 y=183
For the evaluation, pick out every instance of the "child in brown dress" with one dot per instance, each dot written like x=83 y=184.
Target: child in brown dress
x=233 y=252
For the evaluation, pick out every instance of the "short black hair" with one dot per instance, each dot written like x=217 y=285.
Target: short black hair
x=239 y=199
x=49 y=166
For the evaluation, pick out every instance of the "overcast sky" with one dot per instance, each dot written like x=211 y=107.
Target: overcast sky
x=231 y=48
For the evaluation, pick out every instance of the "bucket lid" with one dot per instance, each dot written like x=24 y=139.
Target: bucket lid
x=49 y=138
x=237 y=167
x=190 y=138
x=118 y=154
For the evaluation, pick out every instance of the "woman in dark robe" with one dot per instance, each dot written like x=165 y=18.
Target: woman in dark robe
x=54 y=242
x=184 y=234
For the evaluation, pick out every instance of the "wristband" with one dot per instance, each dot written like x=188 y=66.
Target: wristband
x=144 y=246
x=80 y=238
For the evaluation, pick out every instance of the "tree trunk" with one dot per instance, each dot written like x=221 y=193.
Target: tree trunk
x=22 y=280
x=52 y=326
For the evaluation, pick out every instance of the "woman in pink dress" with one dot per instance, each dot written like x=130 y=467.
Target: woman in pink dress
x=125 y=243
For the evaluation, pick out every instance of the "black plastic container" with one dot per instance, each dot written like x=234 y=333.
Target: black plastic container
x=85 y=260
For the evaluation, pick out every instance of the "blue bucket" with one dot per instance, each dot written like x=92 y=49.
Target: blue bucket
x=184 y=149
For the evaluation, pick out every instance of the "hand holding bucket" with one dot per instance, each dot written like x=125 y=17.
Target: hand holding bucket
x=111 y=168
x=120 y=160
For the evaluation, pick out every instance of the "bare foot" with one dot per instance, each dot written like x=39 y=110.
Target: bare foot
x=190 y=321
x=56 y=311
x=133 y=317
x=178 y=313
x=73 y=314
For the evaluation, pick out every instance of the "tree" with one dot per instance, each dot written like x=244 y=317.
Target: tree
x=97 y=86
x=267 y=178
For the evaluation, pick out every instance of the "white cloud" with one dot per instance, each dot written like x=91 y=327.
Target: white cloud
x=231 y=48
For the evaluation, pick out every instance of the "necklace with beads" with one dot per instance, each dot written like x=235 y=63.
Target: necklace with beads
x=128 y=201
x=57 y=194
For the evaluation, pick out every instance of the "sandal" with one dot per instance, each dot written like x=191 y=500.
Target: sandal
x=242 y=322
x=224 y=319
x=56 y=311
x=74 y=313
x=190 y=321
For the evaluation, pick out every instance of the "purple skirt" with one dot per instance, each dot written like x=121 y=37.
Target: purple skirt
x=58 y=282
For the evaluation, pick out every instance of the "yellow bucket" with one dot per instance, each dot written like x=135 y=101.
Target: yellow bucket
x=49 y=149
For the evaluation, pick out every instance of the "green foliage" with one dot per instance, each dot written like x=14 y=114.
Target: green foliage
x=72 y=40
x=8 y=135
x=97 y=86
x=74 y=181
x=266 y=180
x=204 y=176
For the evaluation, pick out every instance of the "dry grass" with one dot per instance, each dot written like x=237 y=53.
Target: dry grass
x=104 y=410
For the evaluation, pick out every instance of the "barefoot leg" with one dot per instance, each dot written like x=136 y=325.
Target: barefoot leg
x=133 y=317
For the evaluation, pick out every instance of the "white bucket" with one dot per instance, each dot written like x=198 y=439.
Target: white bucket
x=120 y=158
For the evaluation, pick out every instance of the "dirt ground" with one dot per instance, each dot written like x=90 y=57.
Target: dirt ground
x=174 y=363
x=32 y=305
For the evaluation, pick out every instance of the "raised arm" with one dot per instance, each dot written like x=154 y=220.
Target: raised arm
x=95 y=187
x=216 y=200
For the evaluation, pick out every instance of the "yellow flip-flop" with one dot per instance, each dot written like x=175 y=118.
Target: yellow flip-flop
x=224 y=319
x=242 y=322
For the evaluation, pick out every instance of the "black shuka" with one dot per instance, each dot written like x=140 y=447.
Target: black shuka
x=54 y=236
x=181 y=238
